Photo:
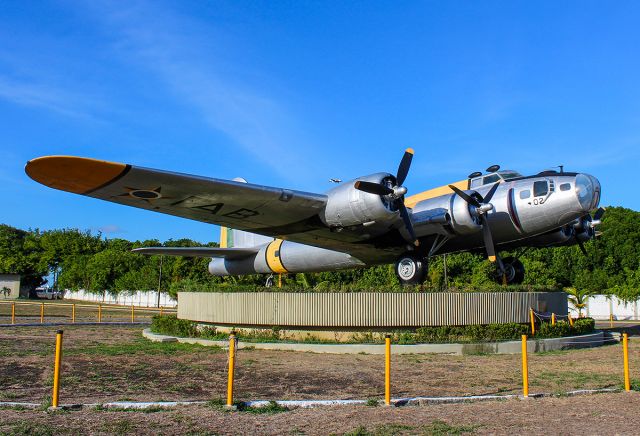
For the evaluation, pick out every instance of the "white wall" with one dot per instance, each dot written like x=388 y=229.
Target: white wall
x=138 y=298
x=602 y=306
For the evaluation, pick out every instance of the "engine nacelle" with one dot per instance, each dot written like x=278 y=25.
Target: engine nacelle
x=562 y=236
x=348 y=206
x=453 y=210
x=583 y=228
x=284 y=257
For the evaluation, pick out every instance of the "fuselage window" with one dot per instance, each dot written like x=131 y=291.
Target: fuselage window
x=525 y=194
x=565 y=186
x=540 y=188
x=490 y=179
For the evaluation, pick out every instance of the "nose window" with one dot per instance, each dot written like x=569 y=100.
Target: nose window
x=525 y=194
x=540 y=188
x=565 y=186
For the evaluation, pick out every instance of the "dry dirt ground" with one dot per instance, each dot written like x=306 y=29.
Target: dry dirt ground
x=106 y=363
x=591 y=415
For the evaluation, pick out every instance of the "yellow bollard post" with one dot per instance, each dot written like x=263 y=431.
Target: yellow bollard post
x=570 y=320
x=553 y=319
x=280 y=280
x=525 y=368
x=133 y=314
x=625 y=353
x=73 y=313
x=13 y=313
x=41 y=313
x=387 y=370
x=533 y=322
x=611 y=320
x=232 y=362
x=99 y=312
x=56 y=370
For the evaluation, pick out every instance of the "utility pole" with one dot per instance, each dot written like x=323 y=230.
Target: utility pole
x=446 y=278
x=160 y=279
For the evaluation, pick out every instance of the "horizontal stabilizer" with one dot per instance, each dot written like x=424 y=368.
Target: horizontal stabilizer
x=227 y=253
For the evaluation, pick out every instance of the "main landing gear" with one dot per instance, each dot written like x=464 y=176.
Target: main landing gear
x=411 y=269
x=513 y=272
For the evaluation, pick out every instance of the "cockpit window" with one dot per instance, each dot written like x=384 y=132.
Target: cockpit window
x=525 y=194
x=510 y=175
x=565 y=186
x=540 y=188
x=490 y=179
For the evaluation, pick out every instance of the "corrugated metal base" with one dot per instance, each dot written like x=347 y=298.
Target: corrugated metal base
x=366 y=310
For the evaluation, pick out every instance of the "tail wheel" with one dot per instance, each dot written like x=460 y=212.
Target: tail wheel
x=513 y=271
x=411 y=269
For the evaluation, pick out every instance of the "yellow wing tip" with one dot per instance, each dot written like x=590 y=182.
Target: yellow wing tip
x=79 y=175
x=410 y=150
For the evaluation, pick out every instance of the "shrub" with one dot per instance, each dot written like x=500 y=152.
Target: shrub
x=171 y=325
x=583 y=325
x=547 y=330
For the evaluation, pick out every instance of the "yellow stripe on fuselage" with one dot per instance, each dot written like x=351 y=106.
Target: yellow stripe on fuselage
x=273 y=257
x=435 y=192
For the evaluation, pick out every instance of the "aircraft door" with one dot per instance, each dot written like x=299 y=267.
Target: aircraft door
x=528 y=200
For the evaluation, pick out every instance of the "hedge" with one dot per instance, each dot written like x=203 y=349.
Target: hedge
x=171 y=325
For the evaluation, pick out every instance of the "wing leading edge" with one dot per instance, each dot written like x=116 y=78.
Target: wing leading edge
x=243 y=206
x=227 y=253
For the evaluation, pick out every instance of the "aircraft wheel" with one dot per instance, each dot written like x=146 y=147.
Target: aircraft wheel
x=514 y=271
x=411 y=269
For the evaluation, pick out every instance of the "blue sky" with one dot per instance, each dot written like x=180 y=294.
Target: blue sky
x=293 y=93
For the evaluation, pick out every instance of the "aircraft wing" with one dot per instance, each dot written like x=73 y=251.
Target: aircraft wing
x=242 y=206
x=227 y=253
x=274 y=212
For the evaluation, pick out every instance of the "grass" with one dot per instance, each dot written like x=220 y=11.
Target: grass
x=141 y=346
x=436 y=428
x=270 y=409
x=568 y=379
x=28 y=428
x=153 y=409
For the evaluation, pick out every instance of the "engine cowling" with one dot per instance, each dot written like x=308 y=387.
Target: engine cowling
x=348 y=206
x=561 y=236
x=453 y=210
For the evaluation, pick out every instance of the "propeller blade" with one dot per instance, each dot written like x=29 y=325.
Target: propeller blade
x=407 y=223
x=373 y=188
x=488 y=243
x=487 y=198
x=466 y=197
x=584 y=250
x=598 y=215
x=403 y=168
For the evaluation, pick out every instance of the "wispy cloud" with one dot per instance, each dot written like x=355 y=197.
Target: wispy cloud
x=166 y=44
x=46 y=96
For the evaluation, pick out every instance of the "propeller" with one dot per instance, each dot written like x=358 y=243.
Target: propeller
x=591 y=222
x=395 y=193
x=482 y=205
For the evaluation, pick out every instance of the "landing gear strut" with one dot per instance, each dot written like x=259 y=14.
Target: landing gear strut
x=411 y=269
x=513 y=272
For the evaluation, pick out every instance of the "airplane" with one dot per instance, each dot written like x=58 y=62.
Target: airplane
x=358 y=223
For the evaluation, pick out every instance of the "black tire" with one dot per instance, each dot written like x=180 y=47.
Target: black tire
x=411 y=269
x=514 y=271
